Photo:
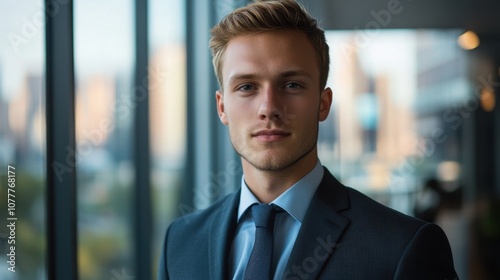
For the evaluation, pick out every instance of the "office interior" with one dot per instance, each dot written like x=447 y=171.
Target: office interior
x=108 y=117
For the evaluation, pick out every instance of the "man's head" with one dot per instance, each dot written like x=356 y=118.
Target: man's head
x=273 y=93
x=262 y=16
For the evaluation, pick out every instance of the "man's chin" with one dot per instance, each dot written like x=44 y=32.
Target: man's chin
x=270 y=164
x=274 y=160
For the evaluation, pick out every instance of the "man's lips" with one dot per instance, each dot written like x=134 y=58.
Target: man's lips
x=269 y=135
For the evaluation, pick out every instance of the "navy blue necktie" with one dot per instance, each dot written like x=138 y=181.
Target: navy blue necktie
x=259 y=265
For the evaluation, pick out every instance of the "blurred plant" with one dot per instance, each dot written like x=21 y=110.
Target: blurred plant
x=30 y=224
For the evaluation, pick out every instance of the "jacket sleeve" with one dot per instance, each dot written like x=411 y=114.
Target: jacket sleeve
x=427 y=256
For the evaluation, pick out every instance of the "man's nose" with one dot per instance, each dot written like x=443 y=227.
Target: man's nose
x=270 y=106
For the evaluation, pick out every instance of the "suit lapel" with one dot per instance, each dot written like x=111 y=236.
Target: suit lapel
x=321 y=230
x=222 y=228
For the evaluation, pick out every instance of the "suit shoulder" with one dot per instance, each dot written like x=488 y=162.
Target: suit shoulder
x=199 y=220
x=412 y=247
x=427 y=256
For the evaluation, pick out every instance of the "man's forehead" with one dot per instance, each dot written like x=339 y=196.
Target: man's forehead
x=251 y=51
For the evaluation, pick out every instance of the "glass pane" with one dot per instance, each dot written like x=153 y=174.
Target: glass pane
x=22 y=140
x=396 y=131
x=167 y=82
x=104 y=113
x=386 y=133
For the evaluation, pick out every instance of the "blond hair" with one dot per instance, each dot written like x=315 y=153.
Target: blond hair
x=268 y=15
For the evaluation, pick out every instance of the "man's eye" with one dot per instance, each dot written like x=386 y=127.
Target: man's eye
x=292 y=85
x=246 y=87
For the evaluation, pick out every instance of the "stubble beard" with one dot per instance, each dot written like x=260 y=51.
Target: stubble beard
x=274 y=163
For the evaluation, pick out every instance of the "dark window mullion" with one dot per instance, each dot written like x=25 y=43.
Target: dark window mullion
x=141 y=200
x=61 y=166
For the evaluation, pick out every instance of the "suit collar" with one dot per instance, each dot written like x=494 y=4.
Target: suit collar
x=222 y=228
x=321 y=230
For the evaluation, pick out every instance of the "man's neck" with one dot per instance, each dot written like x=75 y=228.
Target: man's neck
x=268 y=185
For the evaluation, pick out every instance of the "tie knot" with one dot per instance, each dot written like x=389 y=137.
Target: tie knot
x=263 y=215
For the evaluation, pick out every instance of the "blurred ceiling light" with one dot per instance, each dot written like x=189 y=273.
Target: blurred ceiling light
x=487 y=99
x=448 y=171
x=468 y=40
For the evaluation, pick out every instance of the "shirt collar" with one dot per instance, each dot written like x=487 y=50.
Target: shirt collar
x=294 y=201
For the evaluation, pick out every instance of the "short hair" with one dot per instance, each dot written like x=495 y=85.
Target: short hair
x=268 y=15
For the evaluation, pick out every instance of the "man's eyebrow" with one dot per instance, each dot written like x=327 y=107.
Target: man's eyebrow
x=248 y=76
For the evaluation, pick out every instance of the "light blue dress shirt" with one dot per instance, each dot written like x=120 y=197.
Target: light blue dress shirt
x=294 y=202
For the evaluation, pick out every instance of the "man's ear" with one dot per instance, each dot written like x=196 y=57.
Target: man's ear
x=325 y=104
x=219 y=97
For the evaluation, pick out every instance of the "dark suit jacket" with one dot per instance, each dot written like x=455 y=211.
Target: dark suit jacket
x=344 y=235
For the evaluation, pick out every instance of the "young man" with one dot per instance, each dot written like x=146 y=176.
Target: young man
x=291 y=219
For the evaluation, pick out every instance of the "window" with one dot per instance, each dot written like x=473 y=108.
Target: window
x=22 y=137
x=389 y=129
x=104 y=108
x=167 y=105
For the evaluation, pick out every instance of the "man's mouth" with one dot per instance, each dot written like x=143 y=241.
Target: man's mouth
x=270 y=135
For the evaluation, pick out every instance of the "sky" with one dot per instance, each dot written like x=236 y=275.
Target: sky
x=103 y=28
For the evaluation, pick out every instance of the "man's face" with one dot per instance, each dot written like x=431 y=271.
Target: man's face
x=272 y=101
